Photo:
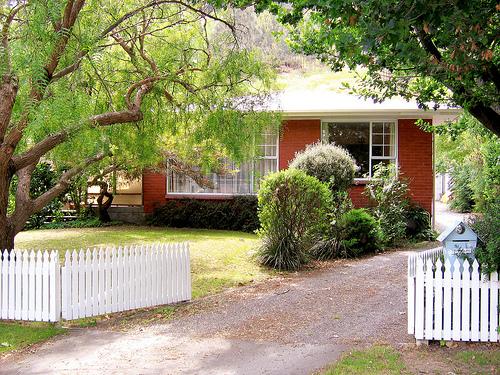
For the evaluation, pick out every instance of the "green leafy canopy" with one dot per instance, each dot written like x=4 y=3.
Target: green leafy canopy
x=205 y=98
x=437 y=52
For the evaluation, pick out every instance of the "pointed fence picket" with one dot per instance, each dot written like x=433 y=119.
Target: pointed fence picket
x=451 y=301
x=34 y=286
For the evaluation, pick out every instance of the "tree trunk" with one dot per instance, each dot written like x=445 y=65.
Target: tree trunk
x=7 y=230
x=7 y=235
x=103 y=207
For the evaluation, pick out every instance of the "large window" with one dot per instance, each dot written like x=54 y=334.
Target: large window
x=245 y=178
x=370 y=143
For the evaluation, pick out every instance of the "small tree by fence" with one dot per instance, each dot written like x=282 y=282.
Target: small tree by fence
x=451 y=301
x=34 y=286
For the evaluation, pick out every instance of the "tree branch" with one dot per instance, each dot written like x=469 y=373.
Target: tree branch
x=71 y=68
x=5 y=35
x=33 y=155
x=487 y=116
x=64 y=181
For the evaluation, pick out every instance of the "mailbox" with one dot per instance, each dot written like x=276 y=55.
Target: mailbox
x=459 y=241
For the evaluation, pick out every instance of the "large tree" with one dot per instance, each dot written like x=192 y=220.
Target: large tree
x=89 y=84
x=439 y=52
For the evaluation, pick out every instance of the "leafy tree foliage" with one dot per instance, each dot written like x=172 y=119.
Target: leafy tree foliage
x=487 y=226
x=472 y=155
x=88 y=84
x=441 y=52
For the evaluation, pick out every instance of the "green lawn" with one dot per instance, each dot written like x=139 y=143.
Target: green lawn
x=18 y=335
x=375 y=360
x=486 y=358
x=386 y=360
x=219 y=259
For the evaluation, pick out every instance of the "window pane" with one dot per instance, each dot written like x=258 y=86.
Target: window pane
x=378 y=139
x=377 y=127
x=238 y=182
x=377 y=151
x=383 y=144
x=355 y=138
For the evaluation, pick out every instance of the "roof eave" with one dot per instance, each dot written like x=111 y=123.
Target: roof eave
x=396 y=113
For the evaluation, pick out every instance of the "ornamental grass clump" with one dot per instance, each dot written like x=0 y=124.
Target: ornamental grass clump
x=293 y=209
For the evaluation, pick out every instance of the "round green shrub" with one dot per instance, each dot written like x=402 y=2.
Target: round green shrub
x=293 y=209
x=328 y=163
x=360 y=233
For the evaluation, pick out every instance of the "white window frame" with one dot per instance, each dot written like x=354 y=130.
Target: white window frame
x=253 y=189
x=324 y=139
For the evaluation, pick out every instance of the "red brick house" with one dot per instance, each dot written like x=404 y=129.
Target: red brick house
x=371 y=132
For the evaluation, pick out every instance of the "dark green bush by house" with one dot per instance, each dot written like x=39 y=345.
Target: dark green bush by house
x=354 y=234
x=293 y=210
x=418 y=223
x=359 y=234
x=239 y=213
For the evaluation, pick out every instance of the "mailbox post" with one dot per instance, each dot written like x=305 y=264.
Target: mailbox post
x=459 y=242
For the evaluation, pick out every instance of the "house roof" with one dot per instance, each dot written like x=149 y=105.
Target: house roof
x=323 y=103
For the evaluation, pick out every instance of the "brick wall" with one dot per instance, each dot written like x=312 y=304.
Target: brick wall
x=296 y=135
x=415 y=161
x=414 y=155
x=154 y=187
x=357 y=196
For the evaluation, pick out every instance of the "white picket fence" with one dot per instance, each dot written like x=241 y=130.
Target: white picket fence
x=29 y=285
x=451 y=302
x=34 y=286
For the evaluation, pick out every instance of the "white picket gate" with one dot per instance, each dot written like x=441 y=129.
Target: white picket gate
x=33 y=285
x=29 y=285
x=451 y=302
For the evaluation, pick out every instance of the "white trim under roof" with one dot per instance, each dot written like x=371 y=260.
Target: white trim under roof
x=318 y=104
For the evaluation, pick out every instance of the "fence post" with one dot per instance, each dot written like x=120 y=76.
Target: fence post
x=419 y=300
x=429 y=300
x=55 y=287
x=494 y=308
x=457 y=303
x=438 y=303
x=475 y=301
x=484 y=328
x=465 y=301
x=19 y=274
x=188 y=270
x=411 y=296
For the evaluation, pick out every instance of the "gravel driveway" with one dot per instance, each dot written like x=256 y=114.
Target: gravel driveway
x=293 y=325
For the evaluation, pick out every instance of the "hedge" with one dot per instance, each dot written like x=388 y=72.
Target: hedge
x=238 y=213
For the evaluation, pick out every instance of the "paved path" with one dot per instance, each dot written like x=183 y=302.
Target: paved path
x=446 y=217
x=294 y=325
